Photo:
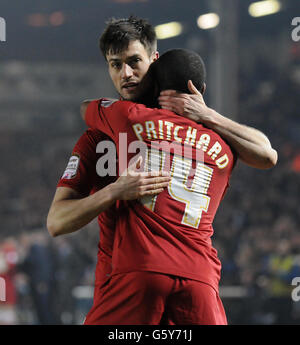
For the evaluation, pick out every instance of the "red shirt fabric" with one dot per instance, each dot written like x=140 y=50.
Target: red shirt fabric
x=170 y=233
x=81 y=175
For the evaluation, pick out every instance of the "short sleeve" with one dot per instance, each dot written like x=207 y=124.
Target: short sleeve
x=80 y=173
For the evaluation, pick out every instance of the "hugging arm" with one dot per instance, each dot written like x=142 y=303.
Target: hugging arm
x=70 y=211
x=252 y=146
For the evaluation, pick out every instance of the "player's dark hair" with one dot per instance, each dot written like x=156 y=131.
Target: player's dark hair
x=176 y=67
x=120 y=32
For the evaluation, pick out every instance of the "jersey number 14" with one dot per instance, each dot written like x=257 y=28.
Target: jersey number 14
x=193 y=193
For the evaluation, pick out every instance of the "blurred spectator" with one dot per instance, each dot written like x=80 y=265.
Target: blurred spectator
x=8 y=261
x=39 y=265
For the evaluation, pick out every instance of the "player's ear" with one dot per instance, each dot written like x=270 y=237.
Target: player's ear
x=203 y=89
x=154 y=56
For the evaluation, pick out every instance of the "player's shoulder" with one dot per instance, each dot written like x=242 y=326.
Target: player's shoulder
x=117 y=104
x=96 y=103
x=107 y=102
x=91 y=137
x=110 y=102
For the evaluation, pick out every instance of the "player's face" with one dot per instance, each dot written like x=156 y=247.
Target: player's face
x=128 y=67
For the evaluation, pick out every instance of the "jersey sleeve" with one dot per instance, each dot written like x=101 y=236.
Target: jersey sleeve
x=109 y=116
x=92 y=114
x=80 y=173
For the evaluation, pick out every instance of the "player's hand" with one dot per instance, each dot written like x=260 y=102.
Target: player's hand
x=191 y=106
x=133 y=184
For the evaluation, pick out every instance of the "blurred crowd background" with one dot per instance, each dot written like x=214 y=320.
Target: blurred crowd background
x=46 y=70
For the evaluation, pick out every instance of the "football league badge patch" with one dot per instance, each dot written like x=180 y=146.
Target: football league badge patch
x=72 y=167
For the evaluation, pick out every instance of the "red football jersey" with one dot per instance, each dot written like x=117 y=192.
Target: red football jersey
x=169 y=233
x=80 y=175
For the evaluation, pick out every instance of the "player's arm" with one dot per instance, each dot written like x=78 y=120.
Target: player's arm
x=70 y=211
x=107 y=115
x=90 y=119
x=251 y=145
x=83 y=107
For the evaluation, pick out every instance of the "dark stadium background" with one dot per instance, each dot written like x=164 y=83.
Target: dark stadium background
x=50 y=62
